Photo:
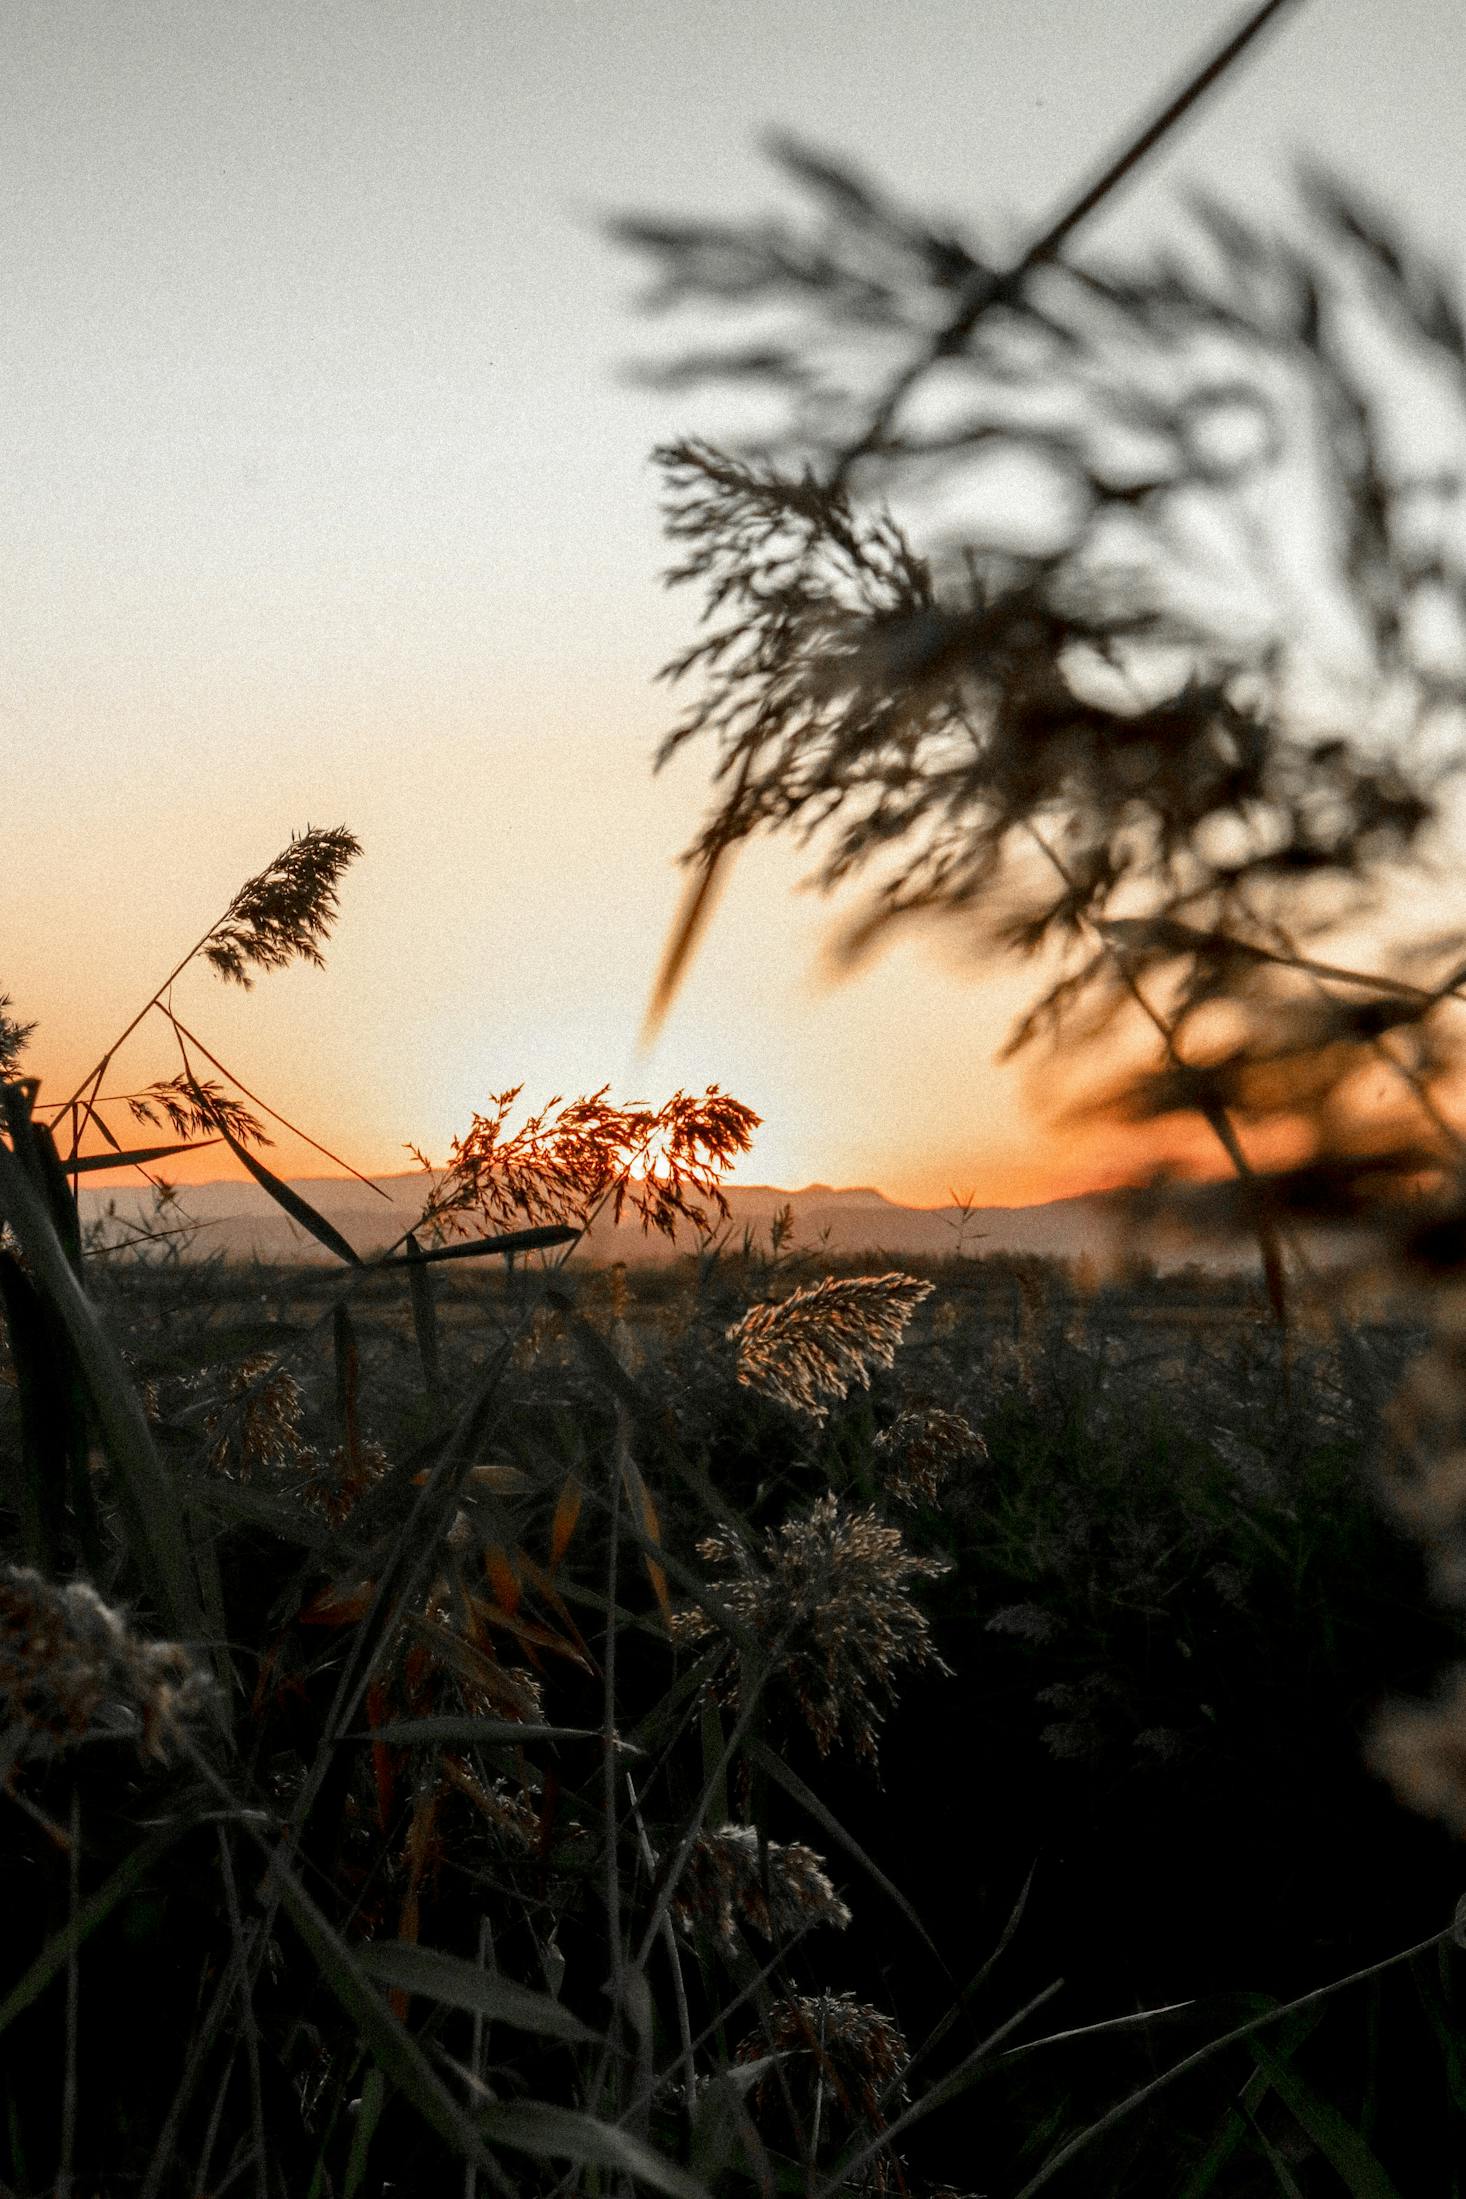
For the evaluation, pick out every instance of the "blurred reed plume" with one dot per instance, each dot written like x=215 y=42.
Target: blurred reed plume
x=807 y=1349
x=1110 y=610
x=825 y=1603
x=1421 y=1749
x=72 y=1671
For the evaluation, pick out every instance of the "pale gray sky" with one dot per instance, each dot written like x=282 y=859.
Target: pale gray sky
x=323 y=499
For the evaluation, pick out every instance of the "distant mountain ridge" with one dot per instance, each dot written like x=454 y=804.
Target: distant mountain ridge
x=244 y=1223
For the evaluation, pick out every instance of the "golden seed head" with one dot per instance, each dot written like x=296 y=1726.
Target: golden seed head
x=807 y=1350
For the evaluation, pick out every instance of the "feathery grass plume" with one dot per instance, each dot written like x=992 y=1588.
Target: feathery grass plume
x=336 y=1480
x=574 y=1157
x=257 y=1427
x=192 y=1106
x=922 y=1449
x=13 y=1036
x=286 y=911
x=1420 y=1748
x=71 y=1671
x=722 y=1886
x=828 y=1600
x=807 y=1349
x=844 y=2064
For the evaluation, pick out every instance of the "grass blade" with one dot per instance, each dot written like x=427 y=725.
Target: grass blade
x=472 y=1732
x=393 y=2048
x=457 y=1983
x=479 y=1248
x=424 y=1319
x=564 y=2134
x=149 y=1501
x=58 y=1950
x=90 y=1163
x=300 y=1210
x=1342 y=2145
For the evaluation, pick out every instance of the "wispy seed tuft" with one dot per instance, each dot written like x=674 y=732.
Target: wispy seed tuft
x=807 y=1350
x=285 y=913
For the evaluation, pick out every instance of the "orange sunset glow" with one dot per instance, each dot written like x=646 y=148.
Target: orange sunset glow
x=330 y=503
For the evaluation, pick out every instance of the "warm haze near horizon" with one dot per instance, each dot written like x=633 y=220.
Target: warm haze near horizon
x=328 y=501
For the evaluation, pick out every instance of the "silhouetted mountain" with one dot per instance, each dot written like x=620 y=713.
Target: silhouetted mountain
x=243 y=1222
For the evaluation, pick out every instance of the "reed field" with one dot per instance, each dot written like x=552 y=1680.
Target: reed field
x=635 y=1748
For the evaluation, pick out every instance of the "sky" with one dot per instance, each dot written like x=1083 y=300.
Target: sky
x=328 y=499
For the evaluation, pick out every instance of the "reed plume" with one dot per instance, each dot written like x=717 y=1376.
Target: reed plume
x=827 y=1601
x=194 y=1106
x=844 y=2062
x=924 y=1447
x=724 y=1884
x=807 y=1350
x=285 y=913
x=574 y=1158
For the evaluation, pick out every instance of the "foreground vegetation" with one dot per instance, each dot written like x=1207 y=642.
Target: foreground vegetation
x=707 y=1794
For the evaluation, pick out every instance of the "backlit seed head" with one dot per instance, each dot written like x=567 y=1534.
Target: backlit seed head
x=810 y=1348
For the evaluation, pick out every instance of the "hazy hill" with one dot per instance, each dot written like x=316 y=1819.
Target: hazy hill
x=242 y=1222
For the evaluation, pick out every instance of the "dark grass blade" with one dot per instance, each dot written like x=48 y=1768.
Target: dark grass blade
x=479 y=1248
x=47 y=1433
x=278 y=1516
x=140 y=1158
x=552 y=2133
x=148 y=1500
x=1342 y=2144
x=457 y=1983
x=346 y=1360
x=57 y=1952
x=1236 y=2124
x=424 y=1320
x=393 y=2048
x=300 y=1210
x=472 y=1732
x=35 y=1150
